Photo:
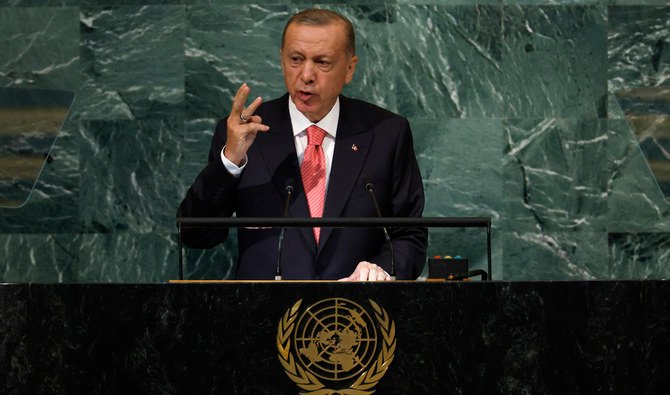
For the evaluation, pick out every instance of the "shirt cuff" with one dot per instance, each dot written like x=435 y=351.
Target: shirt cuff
x=232 y=168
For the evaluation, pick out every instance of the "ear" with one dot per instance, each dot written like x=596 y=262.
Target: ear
x=351 y=67
x=281 y=61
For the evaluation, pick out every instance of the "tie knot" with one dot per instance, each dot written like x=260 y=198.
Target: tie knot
x=315 y=135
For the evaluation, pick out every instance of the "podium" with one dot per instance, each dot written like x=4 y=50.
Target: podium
x=344 y=222
x=477 y=337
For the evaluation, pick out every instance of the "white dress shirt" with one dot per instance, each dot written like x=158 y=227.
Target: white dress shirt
x=300 y=123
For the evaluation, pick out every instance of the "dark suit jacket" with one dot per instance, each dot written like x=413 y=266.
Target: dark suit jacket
x=372 y=145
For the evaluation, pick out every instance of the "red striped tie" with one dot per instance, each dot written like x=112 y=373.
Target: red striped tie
x=313 y=171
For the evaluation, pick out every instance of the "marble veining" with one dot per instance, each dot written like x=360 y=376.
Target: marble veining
x=449 y=61
x=127 y=185
x=512 y=103
x=639 y=255
x=122 y=48
x=40 y=47
x=558 y=168
x=553 y=61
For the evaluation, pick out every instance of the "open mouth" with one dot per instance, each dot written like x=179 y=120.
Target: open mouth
x=304 y=95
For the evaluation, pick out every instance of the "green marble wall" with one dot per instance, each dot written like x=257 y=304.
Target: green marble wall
x=511 y=102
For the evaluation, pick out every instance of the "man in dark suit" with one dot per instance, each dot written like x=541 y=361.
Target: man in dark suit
x=328 y=148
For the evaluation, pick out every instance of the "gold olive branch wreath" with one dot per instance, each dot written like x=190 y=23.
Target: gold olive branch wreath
x=309 y=382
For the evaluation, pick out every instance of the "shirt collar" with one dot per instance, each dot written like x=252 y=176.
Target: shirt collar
x=299 y=121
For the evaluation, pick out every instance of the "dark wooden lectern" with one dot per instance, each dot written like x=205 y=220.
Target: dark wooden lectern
x=431 y=338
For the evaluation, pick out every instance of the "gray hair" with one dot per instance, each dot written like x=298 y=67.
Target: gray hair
x=319 y=17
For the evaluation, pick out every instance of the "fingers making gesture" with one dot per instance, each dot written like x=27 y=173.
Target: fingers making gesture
x=242 y=126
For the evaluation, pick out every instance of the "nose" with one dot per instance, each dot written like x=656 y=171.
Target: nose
x=307 y=74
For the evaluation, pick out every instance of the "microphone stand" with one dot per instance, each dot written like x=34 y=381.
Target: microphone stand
x=188 y=223
x=370 y=189
x=289 y=192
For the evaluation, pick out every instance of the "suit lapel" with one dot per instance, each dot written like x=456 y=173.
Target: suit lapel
x=352 y=145
x=351 y=150
x=278 y=150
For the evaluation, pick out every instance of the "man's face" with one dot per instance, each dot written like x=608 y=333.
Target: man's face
x=316 y=66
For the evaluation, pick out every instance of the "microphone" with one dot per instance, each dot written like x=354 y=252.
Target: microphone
x=289 y=192
x=370 y=189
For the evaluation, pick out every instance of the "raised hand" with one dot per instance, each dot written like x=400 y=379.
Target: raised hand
x=242 y=126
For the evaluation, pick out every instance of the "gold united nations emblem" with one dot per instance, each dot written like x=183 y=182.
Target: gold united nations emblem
x=335 y=346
